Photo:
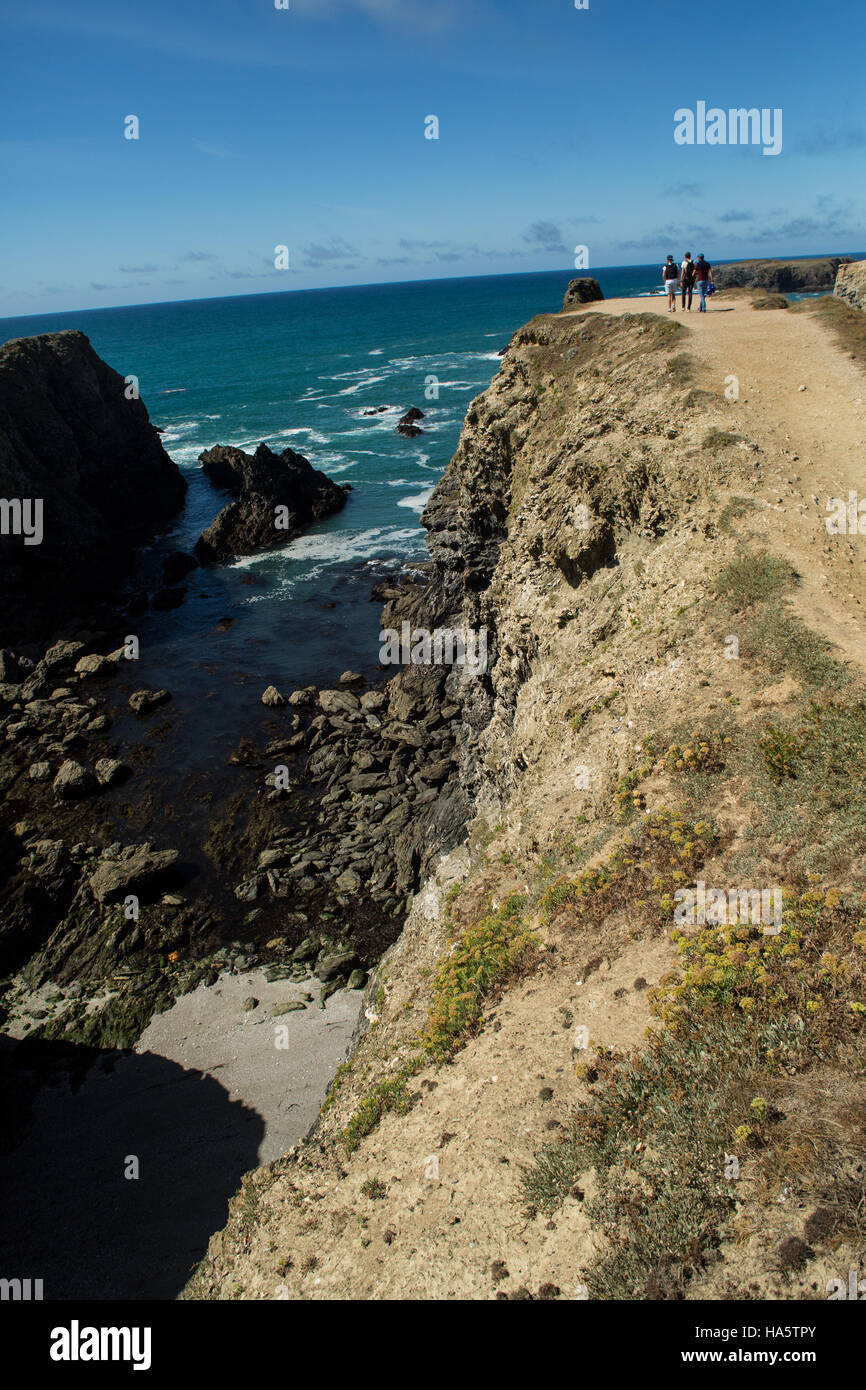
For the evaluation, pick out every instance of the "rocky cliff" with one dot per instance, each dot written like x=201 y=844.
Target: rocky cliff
x=554 y=1074
x=851 y=284
x=81 y=456
x=779 y=276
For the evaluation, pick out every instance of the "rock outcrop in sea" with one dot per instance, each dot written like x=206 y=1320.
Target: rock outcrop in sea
x=76 y=439
x=276 y=497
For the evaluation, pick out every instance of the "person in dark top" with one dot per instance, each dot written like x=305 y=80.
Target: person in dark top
x=687 y=279
x=670 y=275
x=703 y=277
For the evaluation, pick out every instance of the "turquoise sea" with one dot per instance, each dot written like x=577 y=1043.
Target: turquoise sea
x=299 y=369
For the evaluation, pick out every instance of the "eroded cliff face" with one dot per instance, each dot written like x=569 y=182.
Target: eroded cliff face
x=570 y=458
x=851 y=284
x=609 y=517
x=72 y=441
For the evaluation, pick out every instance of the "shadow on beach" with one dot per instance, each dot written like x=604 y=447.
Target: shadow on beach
x=72 y=1117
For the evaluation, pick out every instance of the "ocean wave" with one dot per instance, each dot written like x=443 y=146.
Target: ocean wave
x=361 y=386
x=316 y=553
x=418 y=501
x=315 y=436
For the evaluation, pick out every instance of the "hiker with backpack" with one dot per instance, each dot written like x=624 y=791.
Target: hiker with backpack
x=704 y=278
x=670 y=275
x=687 y=279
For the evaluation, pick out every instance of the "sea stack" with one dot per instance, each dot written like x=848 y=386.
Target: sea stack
x=83 y=479
x=276 y=497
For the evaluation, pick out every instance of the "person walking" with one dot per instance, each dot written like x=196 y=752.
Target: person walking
x=670 y=275
x=703 y=278
x=687 y=279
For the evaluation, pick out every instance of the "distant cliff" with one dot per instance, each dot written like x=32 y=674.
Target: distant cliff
x=83 y=476
x=851 y=284
x=802 y=276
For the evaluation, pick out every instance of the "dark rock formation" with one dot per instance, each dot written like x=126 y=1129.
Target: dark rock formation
x=410 y=431
x=583 y=291
x=412 y=414
x=262 y=483
x=177 y=565
x=71 y=439
x=780 y=276
x=851 y=284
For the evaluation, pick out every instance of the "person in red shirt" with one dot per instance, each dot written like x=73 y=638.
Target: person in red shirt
x=703 y=278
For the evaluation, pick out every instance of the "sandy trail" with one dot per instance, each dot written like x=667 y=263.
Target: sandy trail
x=802 y=400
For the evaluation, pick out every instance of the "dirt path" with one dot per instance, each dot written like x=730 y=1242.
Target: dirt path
x=802 y=400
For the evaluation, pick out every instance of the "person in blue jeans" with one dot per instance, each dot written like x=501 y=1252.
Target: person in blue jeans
x=703 y=277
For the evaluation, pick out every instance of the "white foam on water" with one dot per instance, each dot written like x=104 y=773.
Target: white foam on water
x=361 y=386
x=375 y=352
x=316 y=553
x=418 y=502
x=315 y=436
x=173 y=391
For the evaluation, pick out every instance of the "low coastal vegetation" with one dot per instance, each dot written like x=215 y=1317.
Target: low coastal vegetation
x=747 y=1020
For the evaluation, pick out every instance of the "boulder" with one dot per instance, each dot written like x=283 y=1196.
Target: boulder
x=306 y=696
x=95 y=665
x=10 y=671
x=138 y=869
x=74 y=781
x=372 y=700
x=62 y=653
x=110 y=771
x=410 y=431
x=585 y=290
x=262 y=483
x=338 y=702
x=272 y=697
x=336 y=963
x=143 y=701
x=412 y=414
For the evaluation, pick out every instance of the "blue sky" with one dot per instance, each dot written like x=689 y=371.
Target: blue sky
x=305 y=128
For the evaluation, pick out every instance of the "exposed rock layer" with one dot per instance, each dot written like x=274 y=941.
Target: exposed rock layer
x=851 y=284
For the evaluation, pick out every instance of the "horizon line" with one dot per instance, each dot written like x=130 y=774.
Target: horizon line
x=424 y=280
